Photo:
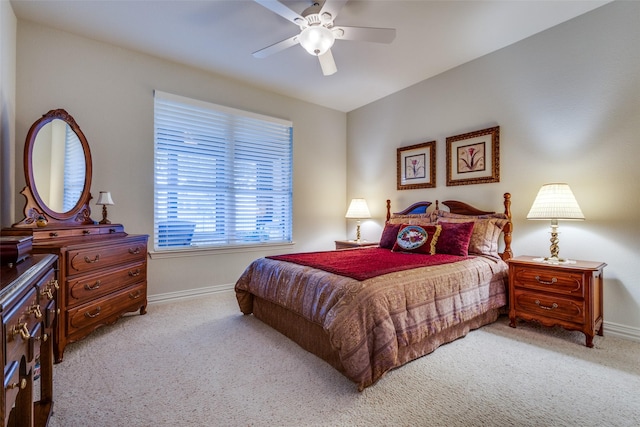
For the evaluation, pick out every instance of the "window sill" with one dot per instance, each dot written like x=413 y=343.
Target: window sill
x=191 y=252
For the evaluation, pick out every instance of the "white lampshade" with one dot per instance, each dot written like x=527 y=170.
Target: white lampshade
x=104 y=198
x=316 y=39
x=358 y=209
x=555 y=201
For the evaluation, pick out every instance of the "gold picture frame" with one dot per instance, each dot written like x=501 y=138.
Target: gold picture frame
x=474 y=157
x=416 y=166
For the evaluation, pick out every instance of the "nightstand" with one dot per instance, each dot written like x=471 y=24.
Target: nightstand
x=567 y=295
x=348 y=244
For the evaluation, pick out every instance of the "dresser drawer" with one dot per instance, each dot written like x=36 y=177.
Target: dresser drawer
x=549 y=306
x=84 y=231
x=106 y=309
x=88 y=287
x=99 y=256
x=561 y=282
x=19 y=324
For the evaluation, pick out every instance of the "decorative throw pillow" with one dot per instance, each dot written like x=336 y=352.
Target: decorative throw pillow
x=417 y=239
x=414 y=219
x=389 y=235
x=454 y=238
x=485 y=234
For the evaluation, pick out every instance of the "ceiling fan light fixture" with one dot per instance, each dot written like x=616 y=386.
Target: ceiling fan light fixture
x=316 y=39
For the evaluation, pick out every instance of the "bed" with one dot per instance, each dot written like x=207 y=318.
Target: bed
x=369 y=310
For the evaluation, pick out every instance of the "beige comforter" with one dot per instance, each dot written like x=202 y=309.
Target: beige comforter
x=368 y=321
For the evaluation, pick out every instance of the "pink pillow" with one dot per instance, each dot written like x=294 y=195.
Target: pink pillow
x=454 y=238
x=417 y=239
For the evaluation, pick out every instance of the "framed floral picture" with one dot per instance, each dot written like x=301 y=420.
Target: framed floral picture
x=474 y=157
x=416 y=165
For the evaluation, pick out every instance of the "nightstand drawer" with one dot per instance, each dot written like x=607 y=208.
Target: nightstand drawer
x=549 y=280
x=549 y=306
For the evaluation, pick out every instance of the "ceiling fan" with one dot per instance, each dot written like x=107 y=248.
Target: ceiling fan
x=318 y=32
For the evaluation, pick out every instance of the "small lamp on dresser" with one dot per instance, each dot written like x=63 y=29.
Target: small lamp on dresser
x=358 y=210
x=104 y=199
x=554 y=202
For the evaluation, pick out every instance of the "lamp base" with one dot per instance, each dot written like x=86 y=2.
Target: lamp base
x=104 y=216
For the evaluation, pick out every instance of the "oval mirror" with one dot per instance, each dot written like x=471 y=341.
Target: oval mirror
x=57 y=164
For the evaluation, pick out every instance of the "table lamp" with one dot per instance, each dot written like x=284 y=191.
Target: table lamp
x=555 y=202
x=358 y=210
x=104 y=199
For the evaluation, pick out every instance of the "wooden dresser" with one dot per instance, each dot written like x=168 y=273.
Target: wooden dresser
x=28 y=311
x=567 y=295
x=102 y=272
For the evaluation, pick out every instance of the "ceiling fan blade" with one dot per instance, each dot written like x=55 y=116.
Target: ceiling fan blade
x=333 y=7
x=327 y=63
x=276 y=47
x=365 y=34
x=280 y=9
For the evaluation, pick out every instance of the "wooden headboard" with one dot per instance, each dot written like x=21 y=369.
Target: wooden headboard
x=462 y=208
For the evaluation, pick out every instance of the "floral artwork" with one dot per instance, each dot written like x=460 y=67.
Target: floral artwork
x=474 y=157
x=416 y=166
x=471 y=158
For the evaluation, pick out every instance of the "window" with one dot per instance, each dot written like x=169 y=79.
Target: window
x=222 y=176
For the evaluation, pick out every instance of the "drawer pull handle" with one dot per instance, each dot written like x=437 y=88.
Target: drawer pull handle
x=35 y=310
x=554 y=305
x=544 y=282
x=86 y=231
x=54 y=283
x=92 y=288
x=136 y=295
x=44 y=338
x=54 y=234
x=22 y=384
x=134 y=273
x=93 y=315
x=47 y=292
x=135 y=251
x=91 y=261
x=21 y=328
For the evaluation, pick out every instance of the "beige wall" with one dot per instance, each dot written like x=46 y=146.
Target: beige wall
x=109 y=91
x=568 y=105
x=8 y=24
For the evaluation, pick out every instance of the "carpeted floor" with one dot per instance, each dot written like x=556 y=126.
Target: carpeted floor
x=200 y=362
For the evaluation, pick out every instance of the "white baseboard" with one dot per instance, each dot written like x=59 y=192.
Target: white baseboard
x=190 y=293
x=610 y=328
x=622 y=331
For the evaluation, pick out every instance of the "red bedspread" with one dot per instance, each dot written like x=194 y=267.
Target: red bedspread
x=363 y=264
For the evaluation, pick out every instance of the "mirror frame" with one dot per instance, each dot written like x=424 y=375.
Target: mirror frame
x=35 y=208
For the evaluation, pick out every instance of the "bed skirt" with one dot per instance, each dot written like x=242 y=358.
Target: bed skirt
x=313 y=338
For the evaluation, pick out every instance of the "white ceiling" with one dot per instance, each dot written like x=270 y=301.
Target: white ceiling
x=220 y=36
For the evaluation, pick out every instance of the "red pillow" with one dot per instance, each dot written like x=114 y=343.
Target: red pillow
x=389 y=235
x=454 y=238
x=417 y=239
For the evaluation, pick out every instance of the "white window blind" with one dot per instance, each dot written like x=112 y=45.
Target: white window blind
x=222 y=176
